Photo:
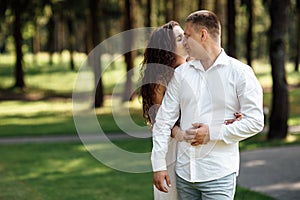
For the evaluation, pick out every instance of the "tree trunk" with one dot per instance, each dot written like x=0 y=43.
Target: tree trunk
x=175 y=10
x=222 y=14
x=17 y=33
x=298 y=37
x=249 y=33
x=148 y=13
x=167 y=12
x=36 y=41
x=95 y=57
x=200 y=5
x=51 y=38
x=231 y=44
x=71 y=42
x=279 y=113
x=128 y=24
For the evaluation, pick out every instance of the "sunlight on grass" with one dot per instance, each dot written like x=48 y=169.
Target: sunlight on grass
x=262 y=70
x=292 y=138
x=30 y=108
x=36 y=117
x=260 y=141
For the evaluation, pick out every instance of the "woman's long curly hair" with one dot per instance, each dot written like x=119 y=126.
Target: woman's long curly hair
x=158 y=65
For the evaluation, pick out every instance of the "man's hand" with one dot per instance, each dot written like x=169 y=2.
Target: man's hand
x=201 y=134
x=159 y=179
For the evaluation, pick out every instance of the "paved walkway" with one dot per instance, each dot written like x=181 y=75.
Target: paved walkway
x=272 y=171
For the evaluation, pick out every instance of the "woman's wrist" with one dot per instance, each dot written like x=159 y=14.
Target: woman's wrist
x=174 y=131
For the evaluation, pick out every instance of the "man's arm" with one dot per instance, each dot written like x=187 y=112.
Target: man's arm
x=250 y=97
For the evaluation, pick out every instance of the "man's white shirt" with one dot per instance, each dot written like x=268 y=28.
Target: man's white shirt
x=208 y=97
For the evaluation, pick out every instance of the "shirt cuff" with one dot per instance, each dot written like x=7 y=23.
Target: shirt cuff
x=216 y=132
x=159 y=165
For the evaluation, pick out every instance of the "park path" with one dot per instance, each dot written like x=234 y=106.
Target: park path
x=272 y=171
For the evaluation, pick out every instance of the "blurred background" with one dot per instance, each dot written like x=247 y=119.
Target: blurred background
x=43 y=43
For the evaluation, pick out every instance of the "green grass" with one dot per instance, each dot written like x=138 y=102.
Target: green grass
x=29 y=118
x=68 y=171
x=43 y=79
x=64 y=171
x=44 y=107
x=260 y=141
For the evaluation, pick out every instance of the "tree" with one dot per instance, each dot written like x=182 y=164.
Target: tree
x=148 y=13
x=51 y=38
x=167 y=13
x=71 y=41
x=231 y=43
x=175 y=10
x=95 y=56
x=249 y=5
x=128 y=24
x=200 y=5
x=279 y=113
x=18 y=10
x=23 y=12
x=298 y=36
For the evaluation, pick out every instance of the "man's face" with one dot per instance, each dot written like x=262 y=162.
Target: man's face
x=193 y=41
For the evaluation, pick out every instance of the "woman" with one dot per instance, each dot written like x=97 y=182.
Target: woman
x=165 y=51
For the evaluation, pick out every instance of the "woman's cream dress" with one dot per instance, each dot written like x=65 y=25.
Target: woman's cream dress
x=159 y=92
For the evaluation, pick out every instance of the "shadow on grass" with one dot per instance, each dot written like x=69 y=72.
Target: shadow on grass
x=31 y=94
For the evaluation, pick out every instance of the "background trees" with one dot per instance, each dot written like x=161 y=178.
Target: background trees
x=251 y=30
x=279 y=10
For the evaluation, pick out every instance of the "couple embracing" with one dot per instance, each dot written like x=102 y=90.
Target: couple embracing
x=199 y=103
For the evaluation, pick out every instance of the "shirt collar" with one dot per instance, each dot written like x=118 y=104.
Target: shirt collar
x=196 y=64
x=222 y=59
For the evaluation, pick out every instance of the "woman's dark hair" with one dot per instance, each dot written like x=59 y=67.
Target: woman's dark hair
x=158 y=65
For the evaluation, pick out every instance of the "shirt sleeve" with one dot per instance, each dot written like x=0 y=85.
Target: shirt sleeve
x=166 y=117
x=250 y=97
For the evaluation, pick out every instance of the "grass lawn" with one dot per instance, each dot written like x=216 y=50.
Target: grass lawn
x=68 y=172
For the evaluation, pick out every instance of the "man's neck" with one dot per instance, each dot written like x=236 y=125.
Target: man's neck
x=212 y=55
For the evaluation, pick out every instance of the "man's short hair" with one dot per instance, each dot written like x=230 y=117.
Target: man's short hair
x=205 y=19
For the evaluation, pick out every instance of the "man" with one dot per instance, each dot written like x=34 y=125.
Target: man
x=209 y=90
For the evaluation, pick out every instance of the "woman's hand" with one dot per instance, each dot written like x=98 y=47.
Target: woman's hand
x=238 y=116
x=181 y=135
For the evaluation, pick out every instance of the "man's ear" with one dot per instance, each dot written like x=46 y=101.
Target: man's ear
x=204 y=34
